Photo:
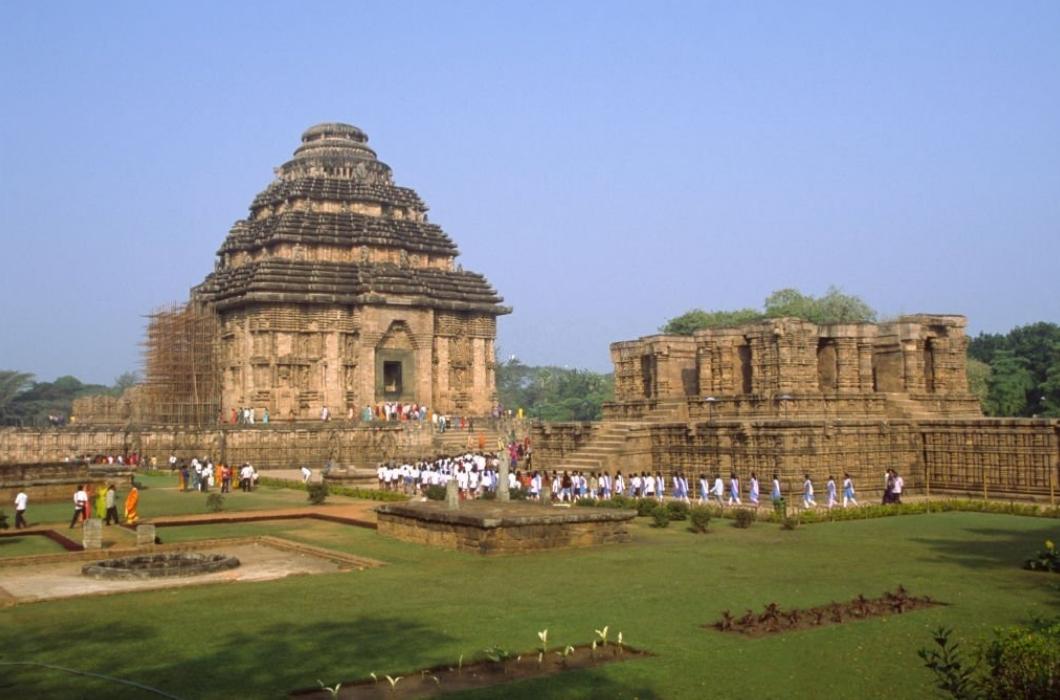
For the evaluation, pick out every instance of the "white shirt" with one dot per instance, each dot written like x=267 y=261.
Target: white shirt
x=80 y=498
x=21 y=500
x=899 y=482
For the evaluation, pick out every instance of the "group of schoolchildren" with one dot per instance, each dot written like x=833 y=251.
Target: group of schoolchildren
x=476 y=475
x=203 y=475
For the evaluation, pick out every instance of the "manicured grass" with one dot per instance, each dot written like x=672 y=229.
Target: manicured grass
x=28 y=545
x=429 y=606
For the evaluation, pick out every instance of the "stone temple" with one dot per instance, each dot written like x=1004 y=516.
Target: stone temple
x=337 y=292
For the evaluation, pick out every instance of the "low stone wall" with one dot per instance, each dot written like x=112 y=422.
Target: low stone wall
x=265 y=446
x=981 y=457
x=53 y=481
x=489 y=529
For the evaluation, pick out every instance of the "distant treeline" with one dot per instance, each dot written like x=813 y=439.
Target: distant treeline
x=1017 y=373
x=25 y=402
x=553 y=393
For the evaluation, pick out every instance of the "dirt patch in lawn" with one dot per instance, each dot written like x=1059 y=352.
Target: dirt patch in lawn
x=773 y=619
x=481 y=673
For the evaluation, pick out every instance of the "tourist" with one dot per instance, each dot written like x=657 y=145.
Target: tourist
x=848 y=490
x=325 y=414
x=704 y=490
x=682 y=488
x=110 y=499
x=306 y=473
x=719 y=490
x=648 y=487
x=734 y=489
x=752 y=495
x=635 y=484
x=620 y=484
x=21 y=501
x=774 y=493
x=605 y=486
x=830 y=490
x=131 y=503
x=80 y=501
x=265 y=415
x=899 y=485
x=184 y=476
x=101 y=501
x=888 y=487
x=807 y=493
x=660 y=486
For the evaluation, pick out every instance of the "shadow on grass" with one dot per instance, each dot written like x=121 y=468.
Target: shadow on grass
x=989 y=548
x=222 y=658
x=577 y=685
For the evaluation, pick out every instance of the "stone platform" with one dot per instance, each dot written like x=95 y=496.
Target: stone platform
x=486 y=527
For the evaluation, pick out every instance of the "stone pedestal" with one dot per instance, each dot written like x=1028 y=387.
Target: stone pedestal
x=546 y=495
x=452 y=496
x=92 y=534
x=145 y=535
x=502 y=477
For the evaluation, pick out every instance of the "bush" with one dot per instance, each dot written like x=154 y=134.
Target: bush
x=1019 y=662
x=645 y=506
x=585 y=502
x=318 y=493
x=743 y=518
x=435 y=493
x=1045 y=560
x=215 y=503
x=3 y=520
x=780 y=507
x=623 y=502
x=700 y=517
x=678 y=510
x=789 y=523
x=660 y=517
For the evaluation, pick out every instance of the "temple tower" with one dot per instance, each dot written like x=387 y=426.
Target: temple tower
x=336 y=291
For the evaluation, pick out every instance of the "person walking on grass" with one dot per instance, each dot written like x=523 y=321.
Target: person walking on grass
x=704 y=490
x=774 y=493
x=831 y=491
x=110 y=499
x=21 y=501
x=80 y=501
x=752 y=495
x=848 y=490
x=734 y=490
x=719 y=490
x=807 y=493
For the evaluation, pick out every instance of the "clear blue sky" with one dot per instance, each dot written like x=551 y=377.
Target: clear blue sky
x=607 y=165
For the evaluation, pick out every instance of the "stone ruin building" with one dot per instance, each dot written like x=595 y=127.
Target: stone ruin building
x=790 y=397
x=335 y=291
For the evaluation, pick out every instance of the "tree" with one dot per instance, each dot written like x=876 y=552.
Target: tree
x=12 y=384
x=1037 y=346
x=833 y=307
x=125 y=380
x=978 y=379
x=1009 y=382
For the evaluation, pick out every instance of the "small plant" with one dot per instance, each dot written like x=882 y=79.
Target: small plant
x=602 y=635
x=646 y=506
x=460 y=665
x=393 y=683
x=333 y=691
x=743 y=518
x=699 y=518
x=952 y=674
x=789 y=523
x=435 y=493
x=565 y=654
x=619 y=645
x=660 y=517
x=498 y=655
x=215 y=503
x=318 y=493
x=543 y=636
x=592 y=650
x=1045 y=560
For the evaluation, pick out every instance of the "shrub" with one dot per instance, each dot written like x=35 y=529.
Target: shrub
x=700 y=518
x=215 y=503
x=585 y=502
x=780 y=507
x=518 y=494
x=645 y=506
x=435 y=493
x=660 y=517
x=789 y=523
x=744 y=517
x=624 y=502
x=1019 y=662
x=1045 y=560
x=318 y=493
x=678 y=510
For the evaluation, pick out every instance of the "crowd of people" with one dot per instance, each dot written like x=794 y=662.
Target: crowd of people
x=203 y=475
x=100 y=501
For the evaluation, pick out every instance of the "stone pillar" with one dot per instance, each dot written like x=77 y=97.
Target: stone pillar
x=92 y=534
x=145 y=535
x=502 y=477
x=452 y=496
x=546 y=494
x=848 y=376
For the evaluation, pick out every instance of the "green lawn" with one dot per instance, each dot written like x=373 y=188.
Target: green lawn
x=429 y=606
x=28 y=545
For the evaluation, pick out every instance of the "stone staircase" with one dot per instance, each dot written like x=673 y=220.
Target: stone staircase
x=603 y=449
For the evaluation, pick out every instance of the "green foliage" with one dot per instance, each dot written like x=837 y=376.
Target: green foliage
x=660 y=517
x=645 y=506
x=698 y=319
x=123 y=381
x=978 y=379
x=1046 y=559
x=317 y=493
x=553 y=393
x=677 y=510
x=699 y=517
x=29 y=403
x=1019 y=662
x=832 y=307
x=435 y=493
x=3 y=520
x=744 y=518
x=1025 y=370
x=952 y=673
x=789 y=522
x=349 y=491
x=215 y=503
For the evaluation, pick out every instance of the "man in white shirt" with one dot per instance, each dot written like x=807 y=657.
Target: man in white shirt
x=21 y=500
x=80 y=501
x=306 y=473
x=899 y=484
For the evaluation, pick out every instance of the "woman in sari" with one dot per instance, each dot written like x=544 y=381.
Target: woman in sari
x=131 y=501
